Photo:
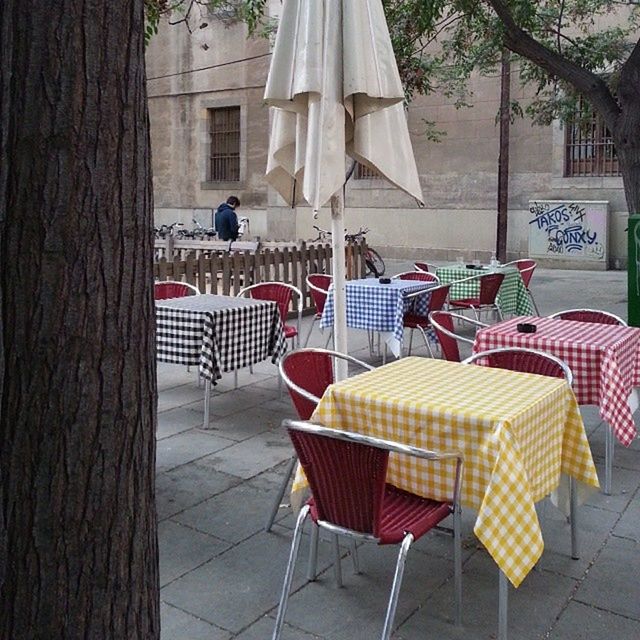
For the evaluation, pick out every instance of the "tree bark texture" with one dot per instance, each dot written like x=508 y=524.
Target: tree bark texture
x=78 y=398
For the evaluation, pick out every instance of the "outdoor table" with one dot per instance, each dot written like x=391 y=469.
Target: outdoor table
x=513 y=297
x=380 y=307
x=217 y=334
x=517 y=432
x=604 y=359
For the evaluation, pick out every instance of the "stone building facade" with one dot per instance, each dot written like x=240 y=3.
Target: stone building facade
x=217 y=75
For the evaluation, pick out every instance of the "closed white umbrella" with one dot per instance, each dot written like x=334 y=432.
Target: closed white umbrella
x=336 y=91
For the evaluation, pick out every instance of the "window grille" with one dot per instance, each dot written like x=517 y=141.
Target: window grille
x=589 y=148
x=224 y=130
x=363 y=172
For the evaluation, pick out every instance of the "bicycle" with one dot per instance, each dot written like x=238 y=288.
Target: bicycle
x=372 y=259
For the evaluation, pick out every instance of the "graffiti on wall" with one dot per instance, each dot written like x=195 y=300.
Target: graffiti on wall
x=568 y=229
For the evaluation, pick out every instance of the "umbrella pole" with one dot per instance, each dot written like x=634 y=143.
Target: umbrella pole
x=339 y=278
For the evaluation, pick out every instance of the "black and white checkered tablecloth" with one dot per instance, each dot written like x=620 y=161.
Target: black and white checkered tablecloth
x=218 y=333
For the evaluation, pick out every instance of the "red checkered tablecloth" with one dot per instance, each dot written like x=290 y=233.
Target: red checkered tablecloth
x=604 y=359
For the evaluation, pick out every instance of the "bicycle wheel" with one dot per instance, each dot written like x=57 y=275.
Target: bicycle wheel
x=375 y=264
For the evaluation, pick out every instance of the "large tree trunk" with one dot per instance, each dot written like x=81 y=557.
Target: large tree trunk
x=626 y=133
x=78 y=397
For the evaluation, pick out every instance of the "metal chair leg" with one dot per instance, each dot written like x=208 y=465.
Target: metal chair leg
x=312 y=569
x=395 y=589
x=306 y=341
x=354 y=557
x=278 y=498
x=410 y=340
x=288 y=576
x=235 y=379
x=426 y=341
x=533 y=302
x=337 y=564
x=608 y=459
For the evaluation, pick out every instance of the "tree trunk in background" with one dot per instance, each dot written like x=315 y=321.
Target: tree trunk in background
x=77 y=448
x=503 y=158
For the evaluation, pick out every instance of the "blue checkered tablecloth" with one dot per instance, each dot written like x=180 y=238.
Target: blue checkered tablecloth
x=218 y=333
x=380 y=307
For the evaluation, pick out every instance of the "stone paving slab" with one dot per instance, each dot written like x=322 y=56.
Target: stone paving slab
x=582 y=622
x=612 y=583
x=189 y=549
x=189 y=484
x=221 y=517
x=187 y=447
x=179 y=625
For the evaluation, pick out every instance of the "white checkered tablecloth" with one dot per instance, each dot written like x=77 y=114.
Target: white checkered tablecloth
x=512 y=298
x=218 y=333
x=604 y=359
x=380 y=307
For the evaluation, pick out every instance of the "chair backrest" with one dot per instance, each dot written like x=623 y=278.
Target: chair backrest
x=319 y=284
x=589 y=315
x=307 y=373
x=417 y=275
x=523 y=360
x=347 y=473
x=438 y=297
x=172 y=289
x=489 y=286
x=526 y=267
x=278 y=292
x=424 y=266
x=442 y=323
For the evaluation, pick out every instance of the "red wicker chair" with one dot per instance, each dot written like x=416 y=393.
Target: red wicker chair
x=490 y=284
x=589 y=315
x=318 y=284
x=427 y=267
x=414 y=320
x=442 y=324
x=172 y=289
x=350 y=496
x=526 y=267
x=523 y=360
x=306 y=374
x=422 y=276
x=280 y=293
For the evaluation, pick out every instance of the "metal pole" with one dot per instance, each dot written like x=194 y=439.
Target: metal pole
x=339 y=278
x=503 y=159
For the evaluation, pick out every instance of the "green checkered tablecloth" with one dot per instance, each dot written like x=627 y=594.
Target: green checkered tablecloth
x=512 y=298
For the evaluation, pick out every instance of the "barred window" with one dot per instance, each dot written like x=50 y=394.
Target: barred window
x=224 y=129
x=589 y=148
x=363 y=172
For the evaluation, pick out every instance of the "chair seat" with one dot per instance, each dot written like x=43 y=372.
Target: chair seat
x=466 y=302
x=289 y=331
x=404 y=512
x=414 y=320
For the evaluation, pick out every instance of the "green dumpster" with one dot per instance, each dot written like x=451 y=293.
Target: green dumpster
x=634 y=270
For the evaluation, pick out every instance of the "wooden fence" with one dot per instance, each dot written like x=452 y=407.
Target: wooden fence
x=226 y=273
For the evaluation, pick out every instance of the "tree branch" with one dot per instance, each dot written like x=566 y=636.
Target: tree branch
x=586 y=82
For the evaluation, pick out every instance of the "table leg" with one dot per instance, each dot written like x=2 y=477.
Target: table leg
x=503 y=593
x=608 y=459
x=207 y=399
x=573 y=505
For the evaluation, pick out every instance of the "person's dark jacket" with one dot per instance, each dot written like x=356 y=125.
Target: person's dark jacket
x=226 y=222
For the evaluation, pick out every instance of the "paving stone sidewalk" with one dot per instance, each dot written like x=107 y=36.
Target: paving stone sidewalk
x=221 y=573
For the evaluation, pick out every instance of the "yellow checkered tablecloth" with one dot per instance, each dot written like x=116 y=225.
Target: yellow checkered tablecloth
x=516 y=431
